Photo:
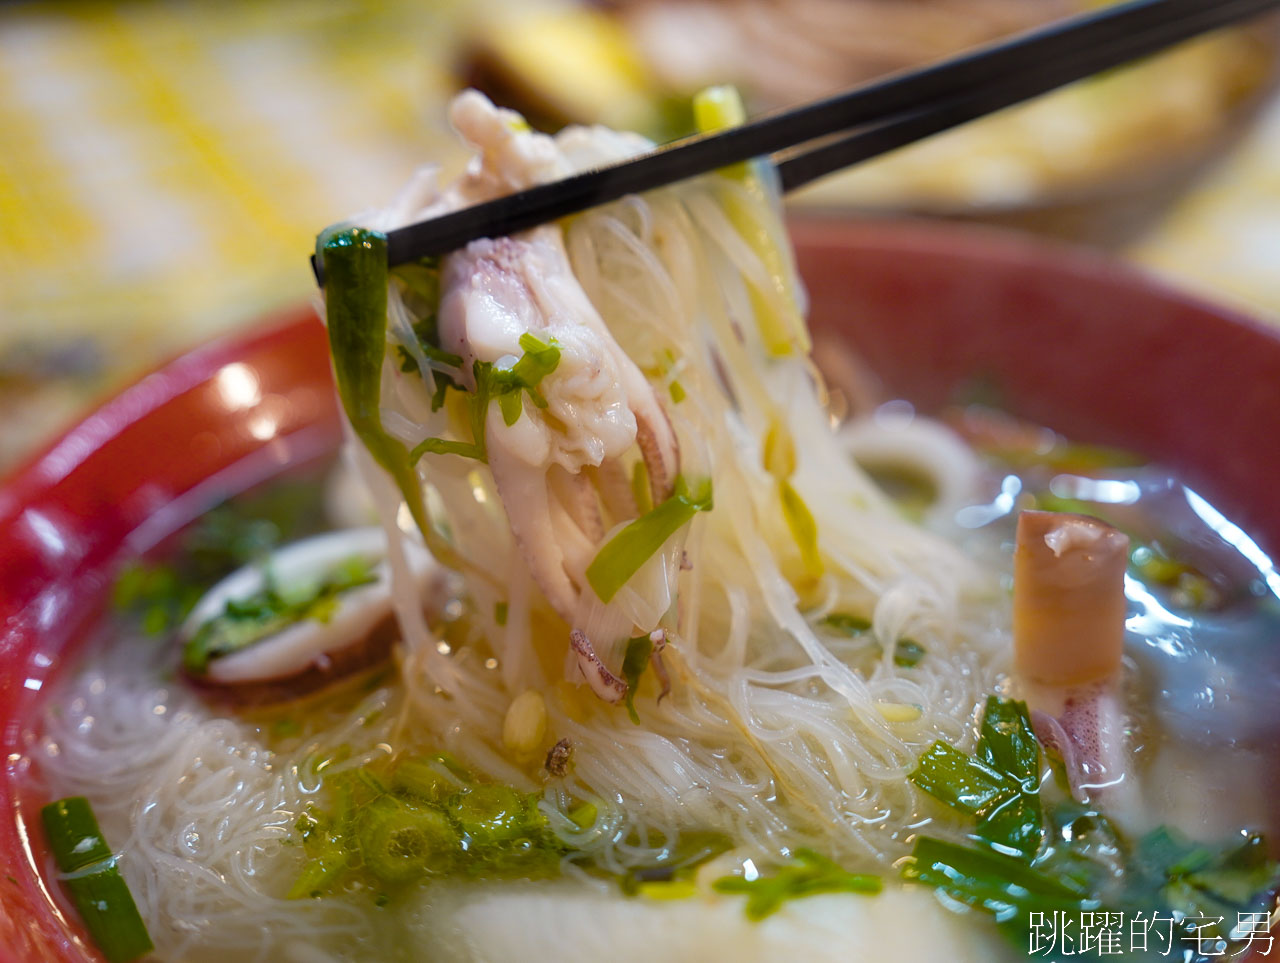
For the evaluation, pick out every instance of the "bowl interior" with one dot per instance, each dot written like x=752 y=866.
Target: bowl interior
x=1067 y=339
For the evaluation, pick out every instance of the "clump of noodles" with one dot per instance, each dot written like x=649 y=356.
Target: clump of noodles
x=776 y=728
x=779 y=729
x=202 y=808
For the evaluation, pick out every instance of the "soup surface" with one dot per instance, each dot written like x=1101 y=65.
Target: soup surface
x=224 y=813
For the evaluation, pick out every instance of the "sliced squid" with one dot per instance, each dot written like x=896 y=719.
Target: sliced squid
x=1069 y=612
x=599 y=405
x=561 y=470
x=349 y=630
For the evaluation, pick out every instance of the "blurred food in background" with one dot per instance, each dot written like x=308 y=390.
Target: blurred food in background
x=1092 y=162
x=165 y=166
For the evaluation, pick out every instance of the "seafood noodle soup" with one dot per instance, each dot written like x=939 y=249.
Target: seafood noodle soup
x=618 y=629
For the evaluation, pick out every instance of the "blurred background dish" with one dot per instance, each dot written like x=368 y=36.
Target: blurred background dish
x=1094 y=162
x=165 y=165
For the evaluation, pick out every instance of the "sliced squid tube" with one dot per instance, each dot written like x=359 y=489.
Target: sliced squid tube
x=1068 y=633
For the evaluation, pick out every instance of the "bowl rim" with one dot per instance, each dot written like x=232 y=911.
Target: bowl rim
x=33 y=911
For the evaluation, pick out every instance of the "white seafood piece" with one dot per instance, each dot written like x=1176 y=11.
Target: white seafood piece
x=599 y=404
x=555 y=468
x=358 y=631
x=919 y=445
x=572 y=924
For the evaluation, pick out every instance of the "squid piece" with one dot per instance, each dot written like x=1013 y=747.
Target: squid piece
x=561 y=471
x=1069 y=612
x=554 y=467
x=1068 y=598
x=264 y=655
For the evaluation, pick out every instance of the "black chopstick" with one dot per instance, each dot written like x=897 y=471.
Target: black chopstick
x=801 y=165
x=903 y=108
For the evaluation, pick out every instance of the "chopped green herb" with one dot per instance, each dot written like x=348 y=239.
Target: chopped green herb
x=161 y=594
x=803 y=527
x=94 y=882
x=810 y=874
x=677 y=392
x=960 y=781
x=420 y=284
x=505 y=385
x=907 y=653
x=640 y=489
x=443 y=383
x=400 y=841
x=623 y=555
x=426 y=816
x=1068 y=857
x=1003 y=885
x=443 y=446
x=1008 y=746
x=490 y=815
x=74 y=836
x=845 y=623
x=634 y=662
x=1000 y=787
x=431 y=780
x=500 y=613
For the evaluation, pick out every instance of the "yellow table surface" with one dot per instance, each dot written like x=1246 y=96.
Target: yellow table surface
x=164 y=168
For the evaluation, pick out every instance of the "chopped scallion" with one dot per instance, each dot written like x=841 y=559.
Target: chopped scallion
x=810 y=874
x=623 y=555
x=634 y=662
x=778 y=317
x=1001 y=884
x=94 y=882
x=960 y=781
x=355 y=268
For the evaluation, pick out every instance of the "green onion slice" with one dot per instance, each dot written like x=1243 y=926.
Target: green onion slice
x=355 y=270
x=810 y=874
x=623 y=555
x=99 y=892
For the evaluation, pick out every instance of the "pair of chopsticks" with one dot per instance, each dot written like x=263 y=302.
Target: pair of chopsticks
x=852 y=126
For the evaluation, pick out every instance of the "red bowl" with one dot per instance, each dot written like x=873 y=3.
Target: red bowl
x=1073 y=341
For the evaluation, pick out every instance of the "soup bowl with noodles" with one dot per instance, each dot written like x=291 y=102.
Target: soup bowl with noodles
x=1005 y=346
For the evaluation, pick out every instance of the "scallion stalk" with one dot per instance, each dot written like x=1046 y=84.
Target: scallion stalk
x=623 y=555
x=99 y=892
x=355 y=271
x=401 y=841
x=778 y=316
